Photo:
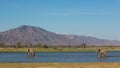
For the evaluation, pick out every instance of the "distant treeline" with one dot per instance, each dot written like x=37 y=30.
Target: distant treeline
x=83 y=45
x=19 y=45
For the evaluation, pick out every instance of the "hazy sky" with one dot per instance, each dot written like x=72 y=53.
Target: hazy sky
x=98 y=18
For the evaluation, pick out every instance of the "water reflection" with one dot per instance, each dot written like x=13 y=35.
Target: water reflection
x=102 y=59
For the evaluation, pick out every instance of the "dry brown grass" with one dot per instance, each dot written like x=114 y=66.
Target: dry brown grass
x=61 y=65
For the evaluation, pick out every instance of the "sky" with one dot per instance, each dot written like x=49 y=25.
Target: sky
x=97 y=18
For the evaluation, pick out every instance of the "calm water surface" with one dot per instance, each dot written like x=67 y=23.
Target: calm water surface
x=59 y=57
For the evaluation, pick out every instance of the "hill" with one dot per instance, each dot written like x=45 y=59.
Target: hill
x=35 y=35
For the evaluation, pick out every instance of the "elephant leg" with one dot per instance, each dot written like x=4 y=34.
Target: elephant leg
x=99 y=55
x=105 y=54
x=32 y=54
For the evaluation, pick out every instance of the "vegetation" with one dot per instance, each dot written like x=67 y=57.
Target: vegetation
x=61 y=65
x=1 y=44
x=18 y=45
x=69 y=45
x=83 y=45
x=56 y=49
x=39 y=45
x=44 y=48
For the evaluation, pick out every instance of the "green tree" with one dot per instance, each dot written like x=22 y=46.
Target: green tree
x=1 y=44
x=18 y=45
x=45 y=46
x=83 y=45
x=31 y=45
x=69 y=45
x=26 y=45
x=39 y=45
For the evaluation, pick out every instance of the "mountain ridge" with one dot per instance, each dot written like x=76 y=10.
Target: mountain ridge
x=26 y=34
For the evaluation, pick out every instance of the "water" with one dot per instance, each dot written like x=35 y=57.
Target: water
x=59 y=57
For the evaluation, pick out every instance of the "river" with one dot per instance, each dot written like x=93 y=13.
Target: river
x=21 y=57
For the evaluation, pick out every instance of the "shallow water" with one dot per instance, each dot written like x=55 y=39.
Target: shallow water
x=59 y=57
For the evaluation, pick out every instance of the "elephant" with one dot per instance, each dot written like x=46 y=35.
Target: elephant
x=102 y=53
x=31 y=52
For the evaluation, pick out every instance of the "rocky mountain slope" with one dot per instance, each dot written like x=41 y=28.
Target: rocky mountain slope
x=35 y=35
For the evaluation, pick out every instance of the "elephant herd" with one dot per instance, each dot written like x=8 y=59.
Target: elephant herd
x=101 y=53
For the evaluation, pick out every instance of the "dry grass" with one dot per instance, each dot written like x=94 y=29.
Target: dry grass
x=61 y=65
x=58 y=49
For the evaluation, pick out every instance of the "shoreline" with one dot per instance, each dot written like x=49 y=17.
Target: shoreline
x=91 y=49
x=62 y=65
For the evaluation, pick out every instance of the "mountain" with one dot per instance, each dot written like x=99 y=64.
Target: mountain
x=35 y=35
